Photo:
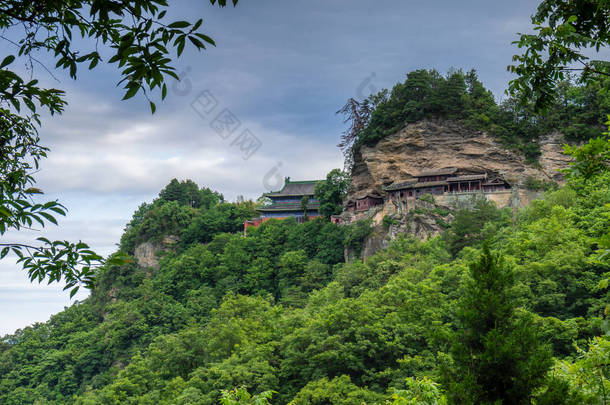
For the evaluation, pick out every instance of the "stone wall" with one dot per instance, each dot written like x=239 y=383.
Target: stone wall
x=424 y=219
x=513 y=198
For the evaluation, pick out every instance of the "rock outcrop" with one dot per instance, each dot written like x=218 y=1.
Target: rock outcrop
x=147 y=253
x=432 y=144
x=436 y=144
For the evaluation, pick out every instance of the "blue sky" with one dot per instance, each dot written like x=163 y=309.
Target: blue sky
x=282 y=68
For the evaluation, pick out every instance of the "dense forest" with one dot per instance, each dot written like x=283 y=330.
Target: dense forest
x=503 y=307
x=279 y=314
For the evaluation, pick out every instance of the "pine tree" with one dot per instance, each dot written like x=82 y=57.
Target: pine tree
x=497 y=356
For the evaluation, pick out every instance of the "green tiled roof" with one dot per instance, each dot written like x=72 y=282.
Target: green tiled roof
x=408 y=185
x=430 y=184
x=400 y=185
x=295 y=188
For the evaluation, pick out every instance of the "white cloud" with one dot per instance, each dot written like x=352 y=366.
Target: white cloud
x=140 y=155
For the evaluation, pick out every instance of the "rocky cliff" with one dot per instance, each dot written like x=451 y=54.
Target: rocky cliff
x=147 y=253
x=435 y=144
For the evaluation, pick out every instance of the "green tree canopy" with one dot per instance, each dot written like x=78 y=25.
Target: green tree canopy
x=565 y=32
x=187 y=192
x=468 y=226
x=280 y=310
x=331 y=192
x=497 y=355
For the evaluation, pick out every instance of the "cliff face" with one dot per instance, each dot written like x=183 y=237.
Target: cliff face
x=437 y=144
x=147 y=253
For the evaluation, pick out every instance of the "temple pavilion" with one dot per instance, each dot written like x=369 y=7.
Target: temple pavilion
x=287 y=203
x=446 y=180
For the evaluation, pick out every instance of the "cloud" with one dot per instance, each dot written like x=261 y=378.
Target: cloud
x=139 y=155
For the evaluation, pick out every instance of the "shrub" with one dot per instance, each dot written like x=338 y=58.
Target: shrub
x=388 y=221
x=532 y=183
x=429 y=198
x=357 y=233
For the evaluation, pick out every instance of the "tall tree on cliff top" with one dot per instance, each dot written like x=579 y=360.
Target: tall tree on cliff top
x=140 y=39
x=357 y=114
x=566 y=31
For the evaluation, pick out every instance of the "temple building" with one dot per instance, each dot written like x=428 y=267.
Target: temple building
x=287 y=203
x=363 y=203
x=442 y=181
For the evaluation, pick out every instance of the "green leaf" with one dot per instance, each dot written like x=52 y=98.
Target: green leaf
x=5 y=212
x=206 y=38
x=7 y=61
x=196 y=42
x=179 y=24
x=131 y=92
x=58 y=210
x=181 y=43
x=49 y=217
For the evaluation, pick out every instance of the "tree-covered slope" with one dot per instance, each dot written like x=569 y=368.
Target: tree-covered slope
x=279 y=310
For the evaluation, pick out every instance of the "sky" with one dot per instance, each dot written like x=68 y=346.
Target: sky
x=280 y=71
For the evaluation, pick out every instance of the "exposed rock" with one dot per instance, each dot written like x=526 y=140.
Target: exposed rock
x=552 y=157
x=375 y=242
x=436 y=144
x=432 y=144
x=146 y=253
x=423 y=220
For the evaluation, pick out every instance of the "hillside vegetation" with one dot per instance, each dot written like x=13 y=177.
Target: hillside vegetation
x=578 y=112
x=280 y=311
